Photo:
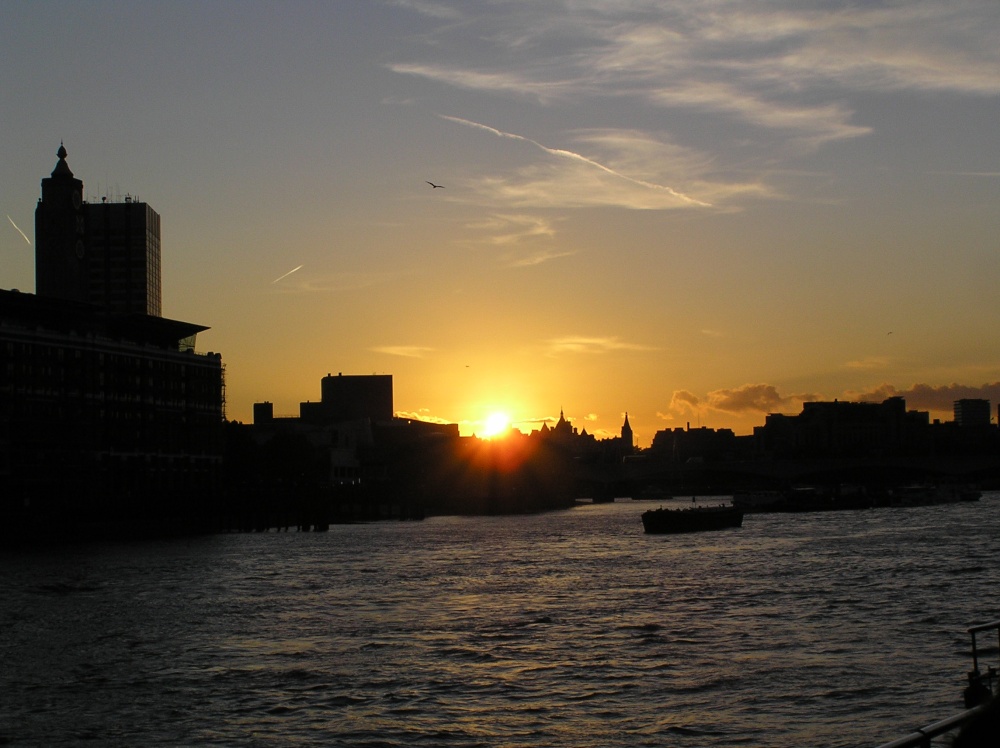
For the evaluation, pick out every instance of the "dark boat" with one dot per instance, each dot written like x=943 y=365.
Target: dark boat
x=695 y=519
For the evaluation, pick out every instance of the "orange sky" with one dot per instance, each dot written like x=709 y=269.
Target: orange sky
x=693 y=216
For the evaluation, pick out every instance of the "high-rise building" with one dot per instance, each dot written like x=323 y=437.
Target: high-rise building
x=109 y=418
x=972 y=412
x=60 y=226
x=350 y=398
x=123 y=244
x=105 y=253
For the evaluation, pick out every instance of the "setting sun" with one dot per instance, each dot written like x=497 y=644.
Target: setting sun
x=496 y=424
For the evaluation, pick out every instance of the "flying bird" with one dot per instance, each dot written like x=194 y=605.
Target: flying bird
x=435 y=186
x=287 y=274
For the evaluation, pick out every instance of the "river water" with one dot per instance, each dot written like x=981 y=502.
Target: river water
x=570 y=628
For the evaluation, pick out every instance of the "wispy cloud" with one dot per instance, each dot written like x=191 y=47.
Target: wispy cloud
x=282 y=277
x=746 y=399
x=19 y=230
x=872 y=362
x=406 y=351
x=430 y=8
x=346 y=281
x=628 y=169
x=674 y=196
x=536 y=258
x=506 y=229
x=526 y=238
x=778 y=66
x=497 y=82
x=578 y=344
x=421 y=414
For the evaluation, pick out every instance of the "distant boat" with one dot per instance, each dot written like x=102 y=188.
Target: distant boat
x=653 y=493
x=696 y=519
x=931 y=495
x=759 y=501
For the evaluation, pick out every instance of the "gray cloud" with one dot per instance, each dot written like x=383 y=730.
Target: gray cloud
x=585 y=186
x=748 y=398
x=776 y=66
x=765 y=398
x=931 y=397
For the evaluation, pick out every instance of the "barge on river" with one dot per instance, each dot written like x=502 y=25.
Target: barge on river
x=663 y=521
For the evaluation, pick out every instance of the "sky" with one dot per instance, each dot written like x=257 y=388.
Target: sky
x=695 y=213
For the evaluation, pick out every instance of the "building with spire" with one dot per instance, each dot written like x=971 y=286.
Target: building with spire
x=105 y=253
x=108 y=416
x=627 y=437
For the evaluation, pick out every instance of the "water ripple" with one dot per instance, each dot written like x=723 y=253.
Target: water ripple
x=565 y=629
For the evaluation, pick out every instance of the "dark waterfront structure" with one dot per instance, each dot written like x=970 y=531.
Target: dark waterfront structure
x=877 y=445
x=348 y=457
x=109 y=421
x=338 y=460
x=351 y=397
x=845 y=429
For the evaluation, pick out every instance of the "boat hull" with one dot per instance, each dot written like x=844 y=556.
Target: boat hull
x=699 y=519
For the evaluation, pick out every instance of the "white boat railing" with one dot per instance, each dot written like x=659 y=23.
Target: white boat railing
x=923 y=736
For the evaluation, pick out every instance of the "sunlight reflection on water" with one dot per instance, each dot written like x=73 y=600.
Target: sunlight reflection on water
x=570 y=628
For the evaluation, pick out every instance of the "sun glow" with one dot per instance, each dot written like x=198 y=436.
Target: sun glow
x=496 y=424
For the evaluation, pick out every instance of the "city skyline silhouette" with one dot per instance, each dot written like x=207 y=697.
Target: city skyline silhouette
x=626 y=224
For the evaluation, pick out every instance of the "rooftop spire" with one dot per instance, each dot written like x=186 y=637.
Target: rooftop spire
x=62 y=168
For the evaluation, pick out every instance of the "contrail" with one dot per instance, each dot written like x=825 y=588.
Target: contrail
x=576 y=157
x=19 y=230
x=287 y=274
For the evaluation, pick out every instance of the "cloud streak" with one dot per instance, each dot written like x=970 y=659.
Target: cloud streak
x=406 y=351
x=19 y=230
x=779 y=66
x=282 y=277
x=537 y=258
x=580 y=344
x=346 y=281
x=581 y=159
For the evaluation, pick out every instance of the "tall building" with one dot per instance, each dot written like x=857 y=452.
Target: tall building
x=105 y=253
x=123 y=246
x=972 y=412
x=108 y=416
x=358 y=396
x=60 y=229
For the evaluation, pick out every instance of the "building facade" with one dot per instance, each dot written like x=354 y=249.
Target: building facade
x=108 y=416
x=105 y=253
x=972 y=412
